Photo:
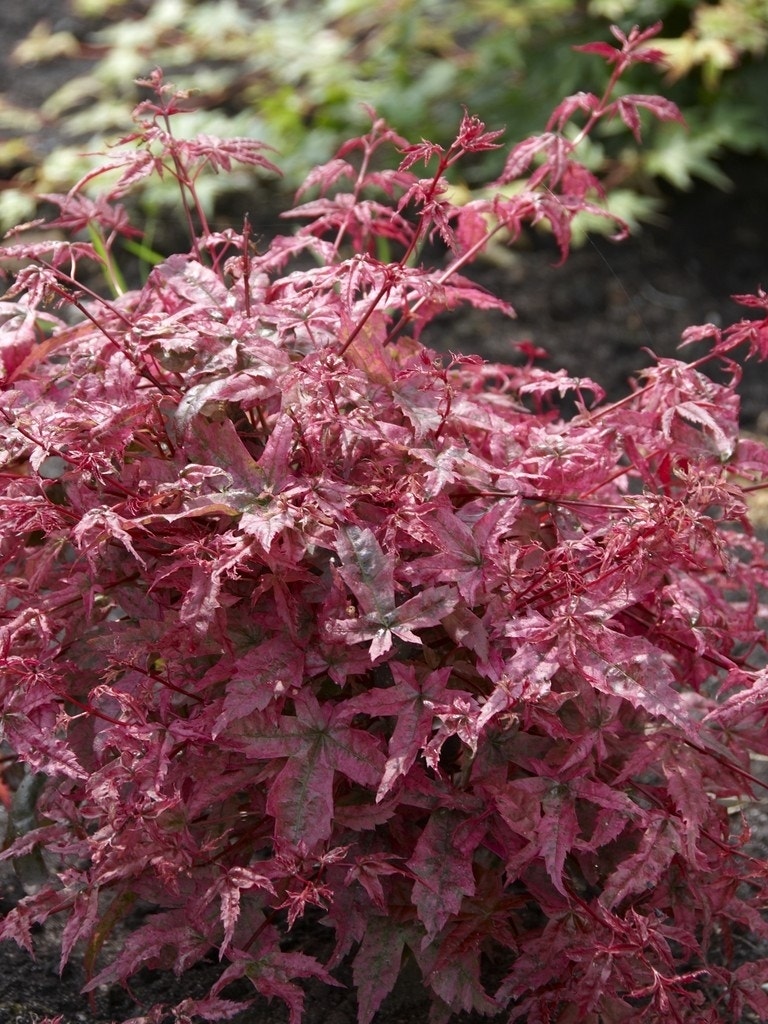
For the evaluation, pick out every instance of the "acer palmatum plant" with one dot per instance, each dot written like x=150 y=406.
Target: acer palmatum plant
x=297 y=615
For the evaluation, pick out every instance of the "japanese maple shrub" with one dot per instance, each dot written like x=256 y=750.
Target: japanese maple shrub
x=296 y=614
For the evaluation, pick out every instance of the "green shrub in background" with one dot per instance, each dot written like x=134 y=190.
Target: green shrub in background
x=299 y=74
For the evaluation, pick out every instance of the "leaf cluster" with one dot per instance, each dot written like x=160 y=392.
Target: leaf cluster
x=299 y=75
x=298 y=618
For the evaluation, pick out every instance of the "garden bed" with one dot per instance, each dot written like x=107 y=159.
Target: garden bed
x=593 y=316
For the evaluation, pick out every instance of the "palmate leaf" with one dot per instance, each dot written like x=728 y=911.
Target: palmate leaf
x=427 y=608
x=274 y=973
x=228 y=888
x=377 y=965
x=167 y=939
x=546 y=811
x=659 y=843
x=443 y=869
x=82 y=923
x=453 y=963
x=260 y=676
x=633 y=668
x=457 y=981
x=557 y=832
x=367 y=570
x=301 y=798
x=662 y=109
x=541 y=811
x=369 y=574
x=190 y=281
x=460 y=556
x=210 y=1008
x=317 y=742
x=368 y=871
x=248 y=389
x=412 y=703
x=748 y=988
x=683 y=772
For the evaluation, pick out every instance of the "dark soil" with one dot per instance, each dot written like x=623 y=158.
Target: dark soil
x=595 y=316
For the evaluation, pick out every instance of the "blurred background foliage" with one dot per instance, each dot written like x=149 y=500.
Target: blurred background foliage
x=298 y=74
